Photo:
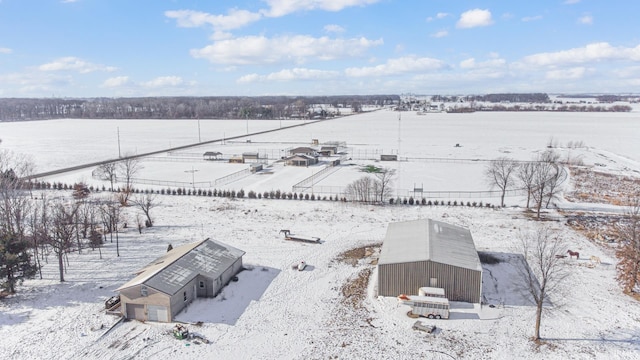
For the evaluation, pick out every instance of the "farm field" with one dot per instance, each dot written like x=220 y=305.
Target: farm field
x=330 y=310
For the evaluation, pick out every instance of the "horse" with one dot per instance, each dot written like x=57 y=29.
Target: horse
x=573 y=253
x=594 y=259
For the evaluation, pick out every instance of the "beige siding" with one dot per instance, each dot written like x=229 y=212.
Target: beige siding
x=134 y=296
x=405 y=278
x=177 y=301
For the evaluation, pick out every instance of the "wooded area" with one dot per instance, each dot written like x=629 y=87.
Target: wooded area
x=229 y=107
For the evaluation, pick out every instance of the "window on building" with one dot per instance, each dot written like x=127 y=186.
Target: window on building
x=185 y=296
x=201 y=284
x=143 y=291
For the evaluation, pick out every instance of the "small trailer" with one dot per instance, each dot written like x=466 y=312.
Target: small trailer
x=427 y=306
x=289 y=236
x=431 y=291
x=418 y=325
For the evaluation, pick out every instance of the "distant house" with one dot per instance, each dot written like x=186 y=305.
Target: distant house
x=211 y=155
x=303 y=150
x=250 y=156
x=301 y=160
x=431 y=253
x=388 y=157
x=236 y=159
x=168 y=284
x=328 y=150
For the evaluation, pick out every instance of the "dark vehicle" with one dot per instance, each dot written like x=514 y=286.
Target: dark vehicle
x=112 y=302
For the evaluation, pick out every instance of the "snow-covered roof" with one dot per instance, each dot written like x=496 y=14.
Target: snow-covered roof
x=429 y=240
x=171 y=272
x=302 y=150
x=300 y=157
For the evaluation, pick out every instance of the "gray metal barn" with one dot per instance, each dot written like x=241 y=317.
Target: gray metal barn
x=168 y=284
x=429 y=253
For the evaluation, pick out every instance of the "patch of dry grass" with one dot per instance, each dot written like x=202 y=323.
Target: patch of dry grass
x=596 y=187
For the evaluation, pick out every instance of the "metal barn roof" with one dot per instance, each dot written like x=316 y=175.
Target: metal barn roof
x=429 y=240
x=179 y=266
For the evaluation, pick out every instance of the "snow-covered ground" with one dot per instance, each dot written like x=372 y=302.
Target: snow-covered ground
x=274 y=312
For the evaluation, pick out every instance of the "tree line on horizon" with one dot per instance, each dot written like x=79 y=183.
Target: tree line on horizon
x=216 y=107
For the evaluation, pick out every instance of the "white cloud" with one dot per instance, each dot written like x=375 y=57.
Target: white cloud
x=532 y=18
x=474 y=18
x=468 y=63
x=115 y=81
x=290 y=75
x=571 y=2
x=440 y=15
x=591 y=53
x=279 y=8
x=69 y=1
x=296 y=49
x=566 y=74
x=35 y=82
x=492 y=63
x=163 y=81
x=74 y=64
x=627 y=72
x=249 y=78
x=440 y=34
x=397 y=66
x=5 y=50
x=586 y=20
x=233 y=20
x=333 y=28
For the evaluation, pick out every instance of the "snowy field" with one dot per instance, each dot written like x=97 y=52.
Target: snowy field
x=274 y=312
x=425 y=143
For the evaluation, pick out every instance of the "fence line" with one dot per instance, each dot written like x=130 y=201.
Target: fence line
x=322 y=174
x=232 y=177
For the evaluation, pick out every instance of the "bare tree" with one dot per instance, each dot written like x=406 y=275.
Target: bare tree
x=629 y=251
x=500 y=173
x=544 y=272
x=108 y=172
x=129 y=167
x=111 y=217
x=63 y=228
x=384 y=183
x=547 y=177
x=362 y=190
x=145 y=203
x=525 y=174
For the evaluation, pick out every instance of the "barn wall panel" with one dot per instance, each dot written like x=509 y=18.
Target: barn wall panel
x=405 y=278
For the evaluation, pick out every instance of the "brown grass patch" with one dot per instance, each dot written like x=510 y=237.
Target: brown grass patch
x=353 y=256
x=596 y=187
x=354 y=291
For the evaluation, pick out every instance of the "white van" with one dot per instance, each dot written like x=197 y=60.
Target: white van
x=427 y=306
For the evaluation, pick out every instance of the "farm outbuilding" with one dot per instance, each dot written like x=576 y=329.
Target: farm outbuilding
x=303 y=150
x=250 y=156
x=168 y=284
x=431 y=253
x=301 y=160
x=211 y=155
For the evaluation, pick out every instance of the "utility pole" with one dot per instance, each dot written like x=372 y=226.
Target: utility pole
x=119 y=155
x=193 y=176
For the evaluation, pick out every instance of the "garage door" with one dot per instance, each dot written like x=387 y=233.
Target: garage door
x=135 y=311
x=157 y=313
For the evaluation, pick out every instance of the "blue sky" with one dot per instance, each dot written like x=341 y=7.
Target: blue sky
x=122 y=48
